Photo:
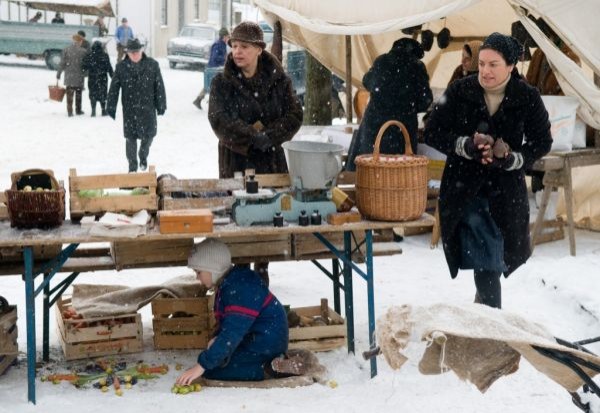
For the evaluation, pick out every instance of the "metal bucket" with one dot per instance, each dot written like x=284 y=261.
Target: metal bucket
x=313 y=165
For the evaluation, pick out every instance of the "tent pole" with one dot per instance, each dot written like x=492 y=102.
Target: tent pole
x=348 y=79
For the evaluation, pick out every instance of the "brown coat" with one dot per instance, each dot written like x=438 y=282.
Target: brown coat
x=237 y=103
x=71 y=63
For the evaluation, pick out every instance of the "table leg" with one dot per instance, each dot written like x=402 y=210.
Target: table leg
x=371 y=297
x=30 y=312
x=348 y=295
x=568 y=184
x=46 y=325
x=335 y=270
x=539 y=220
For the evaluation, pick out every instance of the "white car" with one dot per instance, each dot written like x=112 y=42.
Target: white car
x=192 y=46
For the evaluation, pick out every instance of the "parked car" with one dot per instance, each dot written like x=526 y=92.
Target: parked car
x=40 y=39
x=192 y=46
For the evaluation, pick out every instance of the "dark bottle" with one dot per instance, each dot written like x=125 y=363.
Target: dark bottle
x=278 y=219
x=303 y=219
x=315 y=218
x=251 y=185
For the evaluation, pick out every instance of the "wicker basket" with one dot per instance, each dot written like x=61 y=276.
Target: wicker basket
x=33 y=209
x=391 y=187
x=56 y=92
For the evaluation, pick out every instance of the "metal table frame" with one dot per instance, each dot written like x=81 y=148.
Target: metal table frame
x=54 y=266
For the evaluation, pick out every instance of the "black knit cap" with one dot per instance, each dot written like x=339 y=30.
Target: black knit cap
x=507 y=46
x=248 y=32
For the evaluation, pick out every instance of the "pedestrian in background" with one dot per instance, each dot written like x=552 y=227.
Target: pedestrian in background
x=71 y=63
x=36 y=17
x=123 y=34
x=140 y=82
x=85 y=44
x=98 y=67
x=58 y=19
x=218 y=53
x=102 y=29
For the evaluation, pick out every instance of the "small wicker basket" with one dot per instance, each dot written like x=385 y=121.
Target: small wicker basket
x=391 y=187
x=33 y=209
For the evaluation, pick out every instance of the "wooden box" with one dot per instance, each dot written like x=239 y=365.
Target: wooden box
x=272 y=247
x=8 y=338
x=318 y=338
x=185 y=221
x=127 y=254
x=213 y=194
x=40 y=252
x=98 y=336
x=182 y=323
x=127 y=204
x=3 y=207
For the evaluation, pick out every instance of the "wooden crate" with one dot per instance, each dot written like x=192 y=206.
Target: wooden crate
x=8 y=338
x=128 y=254
x=40 y=252
x=318 y=338
x=130 y=204
x=98 y=336
x=3 y=207
x=182 y=323
x=213 y=194
x=267 y=247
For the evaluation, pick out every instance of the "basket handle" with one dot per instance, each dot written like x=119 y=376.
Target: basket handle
x=16 y=175
x=407 y=145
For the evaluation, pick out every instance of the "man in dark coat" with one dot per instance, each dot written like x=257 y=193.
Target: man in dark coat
x=216 y=60
x=399 y=88
x=142 y=98
x=97 y=64
x=481 y=192
x=241 y=108
x=71 y=64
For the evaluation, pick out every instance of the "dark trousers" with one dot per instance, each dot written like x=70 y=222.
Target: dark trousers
x=243 y=365
x=489 y=289
x=78 y=92
x=120 y=52
x=131 y=151
x=102 y=106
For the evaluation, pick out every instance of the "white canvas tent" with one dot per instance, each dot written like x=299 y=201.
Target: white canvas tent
x=321 y=27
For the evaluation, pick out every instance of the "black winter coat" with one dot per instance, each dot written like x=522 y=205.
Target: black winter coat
x=399 y=87
x=522 y=121
x=97 y=64
x=237 y=103
x=143 y=96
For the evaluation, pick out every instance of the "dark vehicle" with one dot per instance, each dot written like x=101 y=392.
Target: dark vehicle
x=192 y=46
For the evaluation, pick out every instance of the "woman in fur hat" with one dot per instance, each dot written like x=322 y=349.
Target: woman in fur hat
x=469 y=63
x=491 y=127
x=253 y=108
x=252 y=329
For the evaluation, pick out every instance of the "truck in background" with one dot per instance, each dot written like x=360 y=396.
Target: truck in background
x=40 y=39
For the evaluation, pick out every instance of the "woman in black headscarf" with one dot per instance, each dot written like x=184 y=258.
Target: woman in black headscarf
x=97 y=64
x=399 y=88
x=491 y=127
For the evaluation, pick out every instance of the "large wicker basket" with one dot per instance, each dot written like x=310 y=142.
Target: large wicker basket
x=391 y=187
x=33 y=209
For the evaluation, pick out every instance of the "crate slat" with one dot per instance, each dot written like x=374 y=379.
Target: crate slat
x=169 y=342
x=163 y=307
x=182 y=332
x=5 y=362
x=3 y=207
x=300 y=334
x=132 y=253
x=8 y=333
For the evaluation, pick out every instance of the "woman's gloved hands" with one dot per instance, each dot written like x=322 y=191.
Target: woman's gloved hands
x=261 y=142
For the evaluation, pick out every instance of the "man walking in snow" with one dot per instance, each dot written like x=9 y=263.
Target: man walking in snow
x=143 y=96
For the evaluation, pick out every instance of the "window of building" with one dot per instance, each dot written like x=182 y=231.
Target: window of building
x=164 y=17
x=197 y=9
x=214 y=4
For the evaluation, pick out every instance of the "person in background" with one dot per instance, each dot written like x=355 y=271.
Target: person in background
x=123 y=34
x=469 y=62
x=58 y=18
x=102 y=29
x=491 y=127
x=252 y=329
x=85 y=44
x=36 y=17
x=398 y=84
x=252 y=109
x=218 y=53
x=143 y=96
x=71 y=64
x=97 y=64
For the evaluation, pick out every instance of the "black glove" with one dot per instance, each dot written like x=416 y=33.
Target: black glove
x=511 y=162
x=477 y=148
x=261 y=142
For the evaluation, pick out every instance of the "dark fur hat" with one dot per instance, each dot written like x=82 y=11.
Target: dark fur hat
x=248 y=32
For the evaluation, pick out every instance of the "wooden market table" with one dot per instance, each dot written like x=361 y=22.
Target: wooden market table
x=557 y=167
x=351 y=253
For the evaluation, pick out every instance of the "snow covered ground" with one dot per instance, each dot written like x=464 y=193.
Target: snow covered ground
x=554 y=288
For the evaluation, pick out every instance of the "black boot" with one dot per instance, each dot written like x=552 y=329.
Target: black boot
x=93 y=109
x=103 y=107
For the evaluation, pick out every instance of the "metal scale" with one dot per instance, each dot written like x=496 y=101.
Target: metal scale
x=313 y=168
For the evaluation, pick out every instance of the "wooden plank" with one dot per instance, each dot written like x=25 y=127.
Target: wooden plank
x=273 y=180
x=3 y=207
x=103 y=348
x=178 y=325
x=273 y=245
x=305 y=244
x=325 y=344
x=40 y=252
x=218 y=203
x=5 y=362
x=164 y=307
x=317 y=332
x=167 y=186
x=169 y=342
x=140 y=179
x=132 y=203
x=8 y=319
